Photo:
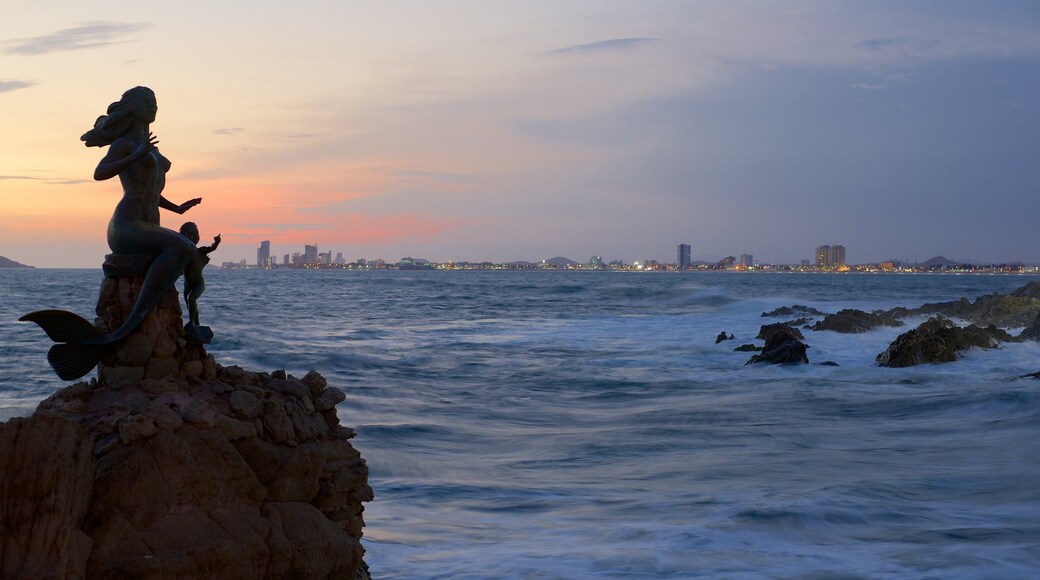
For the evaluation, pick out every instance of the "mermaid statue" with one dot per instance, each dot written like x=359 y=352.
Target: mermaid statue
x=134 y=229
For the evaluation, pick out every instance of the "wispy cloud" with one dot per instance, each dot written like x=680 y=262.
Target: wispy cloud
x=611 y=45
x=14 y=85
x=89 y=35
x=229 y=131
x=47 y=180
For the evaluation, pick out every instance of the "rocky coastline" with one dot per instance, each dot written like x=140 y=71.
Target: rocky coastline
x=937 y=340
x=169 y=465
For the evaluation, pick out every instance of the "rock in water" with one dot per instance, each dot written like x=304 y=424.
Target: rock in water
x=171 y=466
x=852 y=321
x=938 y=340
x=782 y=347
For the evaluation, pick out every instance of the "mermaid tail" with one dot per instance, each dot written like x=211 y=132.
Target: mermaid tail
x=80 y=346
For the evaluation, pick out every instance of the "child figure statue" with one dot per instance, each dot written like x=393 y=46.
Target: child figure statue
x=194 y=285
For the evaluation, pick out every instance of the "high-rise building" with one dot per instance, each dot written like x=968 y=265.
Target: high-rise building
x=263 y=254
x=339 y=258
x=285 y=260
x=830 y=256
x=310 y=254
x=838 y=255
x=747 y=260
x=683 y=258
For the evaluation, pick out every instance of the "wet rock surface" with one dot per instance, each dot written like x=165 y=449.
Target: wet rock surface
x=1017 y=309
x=794 y=310
x=939 y=340
x=851 y=321
x=782 y=347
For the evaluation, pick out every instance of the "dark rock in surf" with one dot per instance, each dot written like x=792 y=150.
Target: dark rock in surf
x=794 y=310
x=782 y=347
x=939 y=340
x=1017 y=309
x=785 y=328
x=723 y=336
x=851 y=321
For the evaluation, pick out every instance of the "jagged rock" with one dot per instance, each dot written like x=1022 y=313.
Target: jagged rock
x=782 y=347
x=1031 y=332
x=1030 y=290
x=328 y=399
x=794 y=310
x=851 y=321
x=785 y=329
x=122 y=487
x=938 y=340
x=1014 y=310
x=747 y=348
x=315 y=382
x=246 y=404
x=277 y=422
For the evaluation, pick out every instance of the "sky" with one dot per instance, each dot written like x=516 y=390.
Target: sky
x=508 y=130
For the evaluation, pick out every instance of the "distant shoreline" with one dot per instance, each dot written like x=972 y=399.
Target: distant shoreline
x=1025 y=271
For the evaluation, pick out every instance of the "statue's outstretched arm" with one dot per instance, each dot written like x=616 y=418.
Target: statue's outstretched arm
x=167 y=204
x=120 y=156
x=216 y=242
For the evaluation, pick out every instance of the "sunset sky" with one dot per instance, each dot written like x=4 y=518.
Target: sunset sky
x=507 y=130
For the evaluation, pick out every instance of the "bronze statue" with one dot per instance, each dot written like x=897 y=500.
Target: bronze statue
x=194 y=285
x=133 y=229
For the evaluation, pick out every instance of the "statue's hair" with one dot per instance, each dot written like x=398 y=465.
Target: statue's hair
x=118 y=121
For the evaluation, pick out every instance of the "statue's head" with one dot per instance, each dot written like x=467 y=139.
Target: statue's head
x=190 y=231
x=136 y=105
x=141 y=101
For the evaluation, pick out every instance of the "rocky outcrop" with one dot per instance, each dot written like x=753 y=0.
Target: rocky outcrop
x=783 y=328
x=782 y=347
x=1030 y=290
x=171 y=466
x=723 y=336
x=1014 y=310
x=939 y=340
x=240 y=476
x=794 y=310
x=851 y=321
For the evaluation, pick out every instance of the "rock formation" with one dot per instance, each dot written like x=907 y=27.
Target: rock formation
x=1015 y=310
x=782 y=347
x=784 y=328
x=850 y=321
x=169 y=465
x=939 y=340
x=795 y=310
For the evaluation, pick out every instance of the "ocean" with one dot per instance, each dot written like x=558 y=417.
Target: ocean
x=530 y=424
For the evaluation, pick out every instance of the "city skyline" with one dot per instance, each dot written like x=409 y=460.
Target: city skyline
x=827 y=257
x=470 y=132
